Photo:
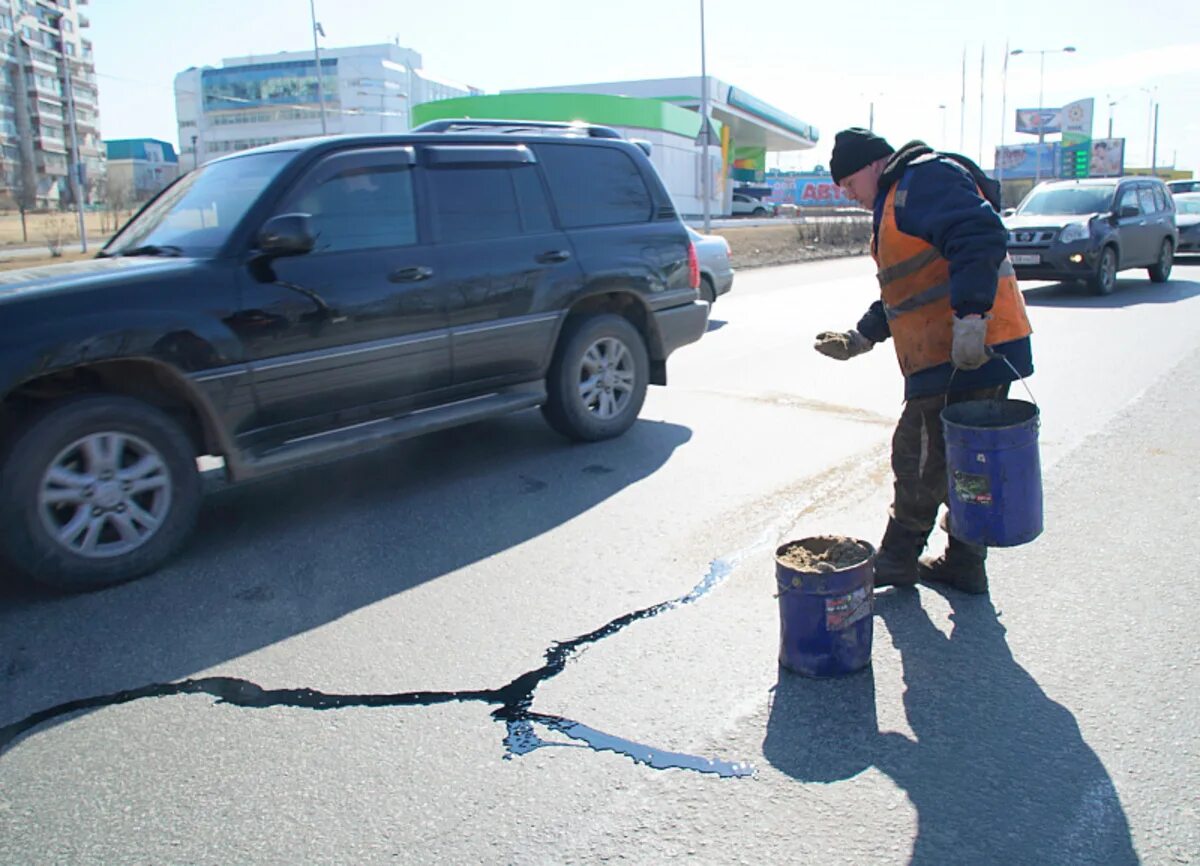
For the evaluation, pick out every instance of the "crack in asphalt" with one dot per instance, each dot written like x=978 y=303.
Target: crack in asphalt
x=513 y=701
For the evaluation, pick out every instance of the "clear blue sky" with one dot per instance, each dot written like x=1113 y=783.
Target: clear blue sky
x=823 y=62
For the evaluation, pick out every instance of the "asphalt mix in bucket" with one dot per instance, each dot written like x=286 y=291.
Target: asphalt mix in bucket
x=824 y=553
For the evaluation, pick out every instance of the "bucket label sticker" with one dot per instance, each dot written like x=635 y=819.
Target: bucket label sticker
x=843 y=611
x=976 y=489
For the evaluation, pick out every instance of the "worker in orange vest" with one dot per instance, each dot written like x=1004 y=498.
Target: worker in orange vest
x=950 y=302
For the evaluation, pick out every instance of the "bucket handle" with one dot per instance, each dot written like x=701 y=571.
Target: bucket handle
x=992 y=353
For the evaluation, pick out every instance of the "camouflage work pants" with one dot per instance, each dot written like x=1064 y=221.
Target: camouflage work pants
x=919 y=457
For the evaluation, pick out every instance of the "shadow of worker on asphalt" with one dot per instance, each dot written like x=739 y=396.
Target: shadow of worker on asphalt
x=998 y=772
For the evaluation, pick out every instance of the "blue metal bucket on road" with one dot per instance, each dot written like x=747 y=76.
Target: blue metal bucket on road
x=825 y=617
x=993 y=471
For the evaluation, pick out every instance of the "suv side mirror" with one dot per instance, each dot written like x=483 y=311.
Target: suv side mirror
x=1128 y=210
x=288 y=234
x=1008 y=211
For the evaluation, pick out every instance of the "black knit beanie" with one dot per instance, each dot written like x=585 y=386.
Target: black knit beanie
x=854 y=149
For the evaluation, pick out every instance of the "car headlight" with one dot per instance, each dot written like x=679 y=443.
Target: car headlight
x=1073 y=232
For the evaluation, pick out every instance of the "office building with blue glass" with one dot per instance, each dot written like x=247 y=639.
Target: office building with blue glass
x=251 y=101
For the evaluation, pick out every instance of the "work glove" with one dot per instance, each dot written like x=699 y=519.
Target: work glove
x=842 y=345
x=969 y=351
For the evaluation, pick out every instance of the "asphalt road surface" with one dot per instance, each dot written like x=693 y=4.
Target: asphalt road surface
x=491 y=646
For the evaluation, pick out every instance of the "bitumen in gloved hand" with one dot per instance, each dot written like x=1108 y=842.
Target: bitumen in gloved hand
x=969 y=350
x=842 y=345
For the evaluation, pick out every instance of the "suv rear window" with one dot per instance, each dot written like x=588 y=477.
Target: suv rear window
x=474 y=203
x=595 y=186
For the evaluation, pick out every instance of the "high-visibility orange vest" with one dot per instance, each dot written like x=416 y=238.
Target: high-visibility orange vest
x=914 y=282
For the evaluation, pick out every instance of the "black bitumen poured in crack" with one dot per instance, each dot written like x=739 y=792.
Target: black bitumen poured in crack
x=513 y=701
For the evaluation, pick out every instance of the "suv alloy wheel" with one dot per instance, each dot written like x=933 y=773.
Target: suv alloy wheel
x=1104 y=279
x=1160 y=271
x=598 y=378
x=97 y=490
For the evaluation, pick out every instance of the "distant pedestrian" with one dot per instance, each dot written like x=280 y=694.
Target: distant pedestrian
x=950 y=302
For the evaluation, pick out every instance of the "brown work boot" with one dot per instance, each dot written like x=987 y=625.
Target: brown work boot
x=896 y=562
x=961 y=567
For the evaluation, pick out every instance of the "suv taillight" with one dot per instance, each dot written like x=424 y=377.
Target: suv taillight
x=693 y=266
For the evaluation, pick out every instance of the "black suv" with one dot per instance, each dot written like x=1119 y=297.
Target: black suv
x=1090 y=229
x=312 y=299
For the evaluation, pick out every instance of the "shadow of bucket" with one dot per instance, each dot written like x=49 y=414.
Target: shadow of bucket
x=993 y=471
x=825 y=617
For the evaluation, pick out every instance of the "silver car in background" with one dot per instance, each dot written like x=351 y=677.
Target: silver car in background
x=716 y=268
x=1187 y=218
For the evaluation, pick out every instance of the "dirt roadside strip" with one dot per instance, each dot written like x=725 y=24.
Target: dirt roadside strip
x=792 y=242
x=752 y=246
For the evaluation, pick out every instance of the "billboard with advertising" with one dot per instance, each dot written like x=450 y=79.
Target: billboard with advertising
x=1035 y=120
x=807 y=190
x=1107 y=157
x=1022 y=160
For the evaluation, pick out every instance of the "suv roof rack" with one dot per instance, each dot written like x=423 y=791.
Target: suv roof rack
x=495 y=125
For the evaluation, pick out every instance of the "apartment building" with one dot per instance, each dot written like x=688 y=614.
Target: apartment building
x=48 y=71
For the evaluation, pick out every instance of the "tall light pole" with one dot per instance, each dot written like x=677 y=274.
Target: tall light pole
x=1154 y=152
x=870 y=96
x=704 y=172
x=75 y=168
x=1003 y=119
x=1069 y=49
x=316 y=28
x=1151 y=93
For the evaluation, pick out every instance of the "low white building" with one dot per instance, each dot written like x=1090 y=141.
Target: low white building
x=138 y=168
x=256 y=100
x=664 y=112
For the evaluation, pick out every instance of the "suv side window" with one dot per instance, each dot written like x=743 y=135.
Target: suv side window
x=358 y=201
x=1129 y=198
x=473 y=202
x=1146 y=198
x=1161 y=199
x=595 y=186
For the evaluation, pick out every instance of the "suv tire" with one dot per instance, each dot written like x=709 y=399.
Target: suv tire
x=597 y=380
x=1160 y=271
x=113 y=478
x=1104 y=279
x=707 y=291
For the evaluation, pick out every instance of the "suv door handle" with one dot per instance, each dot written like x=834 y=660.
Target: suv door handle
x=553 y=256
x=410 y=275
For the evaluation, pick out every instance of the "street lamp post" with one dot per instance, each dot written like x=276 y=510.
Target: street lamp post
x=1151 y=93
x=74 y=169
x=316 y=28
x=705 y=172
x=1069 y=49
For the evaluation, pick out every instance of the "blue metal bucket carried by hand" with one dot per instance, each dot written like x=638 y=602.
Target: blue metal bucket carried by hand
x=994 y=471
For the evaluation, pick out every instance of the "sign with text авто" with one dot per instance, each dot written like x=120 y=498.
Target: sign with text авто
x=815 y=190
x=1021 y=160
x=1035 y=120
